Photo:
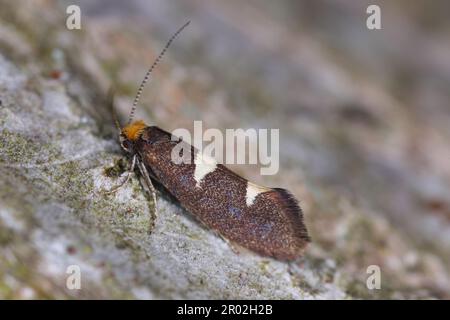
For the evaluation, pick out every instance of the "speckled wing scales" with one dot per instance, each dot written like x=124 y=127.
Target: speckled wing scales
x=265 y=220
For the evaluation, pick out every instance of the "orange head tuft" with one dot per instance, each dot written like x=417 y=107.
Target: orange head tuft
x=133 y=130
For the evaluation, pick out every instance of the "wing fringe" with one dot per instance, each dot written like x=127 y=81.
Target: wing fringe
x=294 y=213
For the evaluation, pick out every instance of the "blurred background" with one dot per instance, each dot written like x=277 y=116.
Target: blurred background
x=363 y=114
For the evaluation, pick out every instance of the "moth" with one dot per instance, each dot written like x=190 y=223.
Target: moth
x=265 y=220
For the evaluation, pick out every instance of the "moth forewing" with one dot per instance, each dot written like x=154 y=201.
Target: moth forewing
x=266 y=220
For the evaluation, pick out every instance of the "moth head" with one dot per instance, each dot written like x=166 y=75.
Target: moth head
x=130 y=134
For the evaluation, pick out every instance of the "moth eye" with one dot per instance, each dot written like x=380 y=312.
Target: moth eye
x=125 y=143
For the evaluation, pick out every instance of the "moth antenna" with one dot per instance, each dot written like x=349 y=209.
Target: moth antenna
x=155 y=63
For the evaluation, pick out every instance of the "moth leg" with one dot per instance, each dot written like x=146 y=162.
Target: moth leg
x=130 y=172
x=234 y=247
x=149 y=184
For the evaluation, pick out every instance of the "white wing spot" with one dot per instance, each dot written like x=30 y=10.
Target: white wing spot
x=203 y=165
x=252 y=191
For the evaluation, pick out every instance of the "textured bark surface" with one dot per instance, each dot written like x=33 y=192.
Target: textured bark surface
x=364 y=145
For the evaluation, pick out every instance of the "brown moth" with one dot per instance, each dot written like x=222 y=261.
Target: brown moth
x=265 y=220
